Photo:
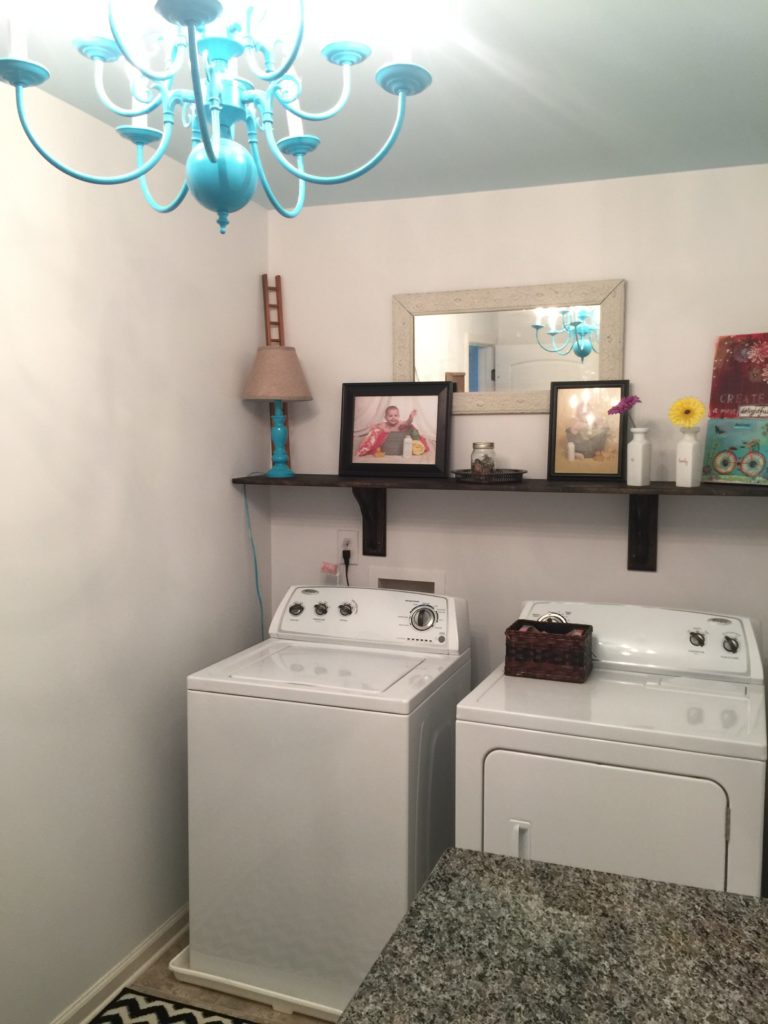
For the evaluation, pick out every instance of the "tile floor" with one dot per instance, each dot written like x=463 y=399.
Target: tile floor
x=157 y=980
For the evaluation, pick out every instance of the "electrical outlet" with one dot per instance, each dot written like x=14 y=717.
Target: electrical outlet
x=351 y=540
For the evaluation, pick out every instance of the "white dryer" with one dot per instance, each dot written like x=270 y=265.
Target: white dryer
x=654 y=767
x=321 y=791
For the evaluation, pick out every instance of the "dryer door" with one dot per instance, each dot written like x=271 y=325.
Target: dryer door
x=671 y=828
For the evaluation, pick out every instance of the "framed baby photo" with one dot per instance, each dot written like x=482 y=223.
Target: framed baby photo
x=586 y=440
x=395 y=429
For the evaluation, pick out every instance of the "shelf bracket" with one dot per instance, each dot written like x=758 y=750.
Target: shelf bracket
x=642 y=532
x=373 y=506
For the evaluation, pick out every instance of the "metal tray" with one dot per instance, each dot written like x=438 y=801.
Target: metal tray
x=498 y=476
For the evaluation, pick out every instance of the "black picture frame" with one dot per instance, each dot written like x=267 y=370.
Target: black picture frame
x=372 y=445
x=585 y=443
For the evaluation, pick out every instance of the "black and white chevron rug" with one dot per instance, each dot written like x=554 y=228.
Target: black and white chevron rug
x=135 y=1008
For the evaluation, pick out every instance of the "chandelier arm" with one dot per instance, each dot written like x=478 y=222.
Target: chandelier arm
x=101 y=92
x=91 y=179
x=346 y=82
x=338 y=179
x=158 y=207
x=563 y=349
x=284 y=211
x=273 y=76
x=210 y=145
x=166 y=74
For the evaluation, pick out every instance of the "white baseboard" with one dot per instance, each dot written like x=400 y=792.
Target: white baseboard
x=107 y=987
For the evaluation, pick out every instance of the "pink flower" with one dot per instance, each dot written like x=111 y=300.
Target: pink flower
x=625 y=404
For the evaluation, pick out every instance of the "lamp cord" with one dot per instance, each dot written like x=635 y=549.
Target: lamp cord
x=255 y=564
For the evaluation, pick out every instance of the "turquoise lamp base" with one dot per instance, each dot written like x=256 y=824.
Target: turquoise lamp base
x=280 y=467
x=280 y=471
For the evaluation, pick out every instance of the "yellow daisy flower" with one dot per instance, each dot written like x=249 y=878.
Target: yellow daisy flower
x=686 y=412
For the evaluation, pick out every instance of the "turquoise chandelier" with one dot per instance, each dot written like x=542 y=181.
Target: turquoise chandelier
x=239 y=82
x=576 y=328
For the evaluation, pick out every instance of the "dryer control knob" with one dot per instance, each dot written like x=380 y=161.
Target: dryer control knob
x=728 y=718
x=730 y=643
x=345 y=609
x=321 y=608
x=697 y=638
x=423 y=617
x=296 y=608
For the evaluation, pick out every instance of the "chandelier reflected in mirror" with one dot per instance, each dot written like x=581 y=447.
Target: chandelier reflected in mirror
x=575 y=329
x=242 y=67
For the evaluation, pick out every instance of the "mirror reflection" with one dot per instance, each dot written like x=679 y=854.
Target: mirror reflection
x=503 y=347
x=508 y=350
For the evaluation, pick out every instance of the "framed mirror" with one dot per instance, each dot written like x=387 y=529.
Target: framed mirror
x=504 y=347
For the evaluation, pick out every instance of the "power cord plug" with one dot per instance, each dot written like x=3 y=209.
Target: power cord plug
x=346 y=555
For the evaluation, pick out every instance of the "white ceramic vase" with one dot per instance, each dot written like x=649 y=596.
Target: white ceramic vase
x=690 y=455
x=639 y=458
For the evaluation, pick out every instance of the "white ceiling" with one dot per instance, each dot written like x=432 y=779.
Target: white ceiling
x=534 y=92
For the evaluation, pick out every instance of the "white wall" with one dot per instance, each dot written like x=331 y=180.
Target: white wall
x=688 y=246
x=124 y=564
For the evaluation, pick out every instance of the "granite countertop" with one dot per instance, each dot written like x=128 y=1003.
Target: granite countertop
x=495 y=940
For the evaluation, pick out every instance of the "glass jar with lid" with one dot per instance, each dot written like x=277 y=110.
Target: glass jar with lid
x=483 y=460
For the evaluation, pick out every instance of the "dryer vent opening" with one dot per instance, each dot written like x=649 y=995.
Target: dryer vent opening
x=407 y=577
x=422 y=586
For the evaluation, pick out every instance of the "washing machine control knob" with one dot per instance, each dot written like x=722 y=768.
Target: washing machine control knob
x=296 y=608
x=423 y=617
x=552 y=617
x=321 y=608
x=697 y=638
x=730 y=643
x=345 y=609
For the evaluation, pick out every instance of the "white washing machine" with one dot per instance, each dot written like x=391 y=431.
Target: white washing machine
x=654 y=767
x=321 y=791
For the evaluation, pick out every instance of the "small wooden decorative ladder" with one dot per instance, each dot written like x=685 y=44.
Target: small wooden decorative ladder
x=273 y=310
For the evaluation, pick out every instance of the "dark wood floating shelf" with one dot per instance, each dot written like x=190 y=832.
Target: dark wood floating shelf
x=371 y=495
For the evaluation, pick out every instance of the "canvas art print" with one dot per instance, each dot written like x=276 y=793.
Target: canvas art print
x=736 y=451
x=740 y=377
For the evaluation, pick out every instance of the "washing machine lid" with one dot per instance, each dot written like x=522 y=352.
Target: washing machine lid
x=339 y=675
x=684 y=713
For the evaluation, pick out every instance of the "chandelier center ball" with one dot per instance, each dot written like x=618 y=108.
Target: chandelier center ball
x=226 y=185
x=189 y=12
x=582 y=347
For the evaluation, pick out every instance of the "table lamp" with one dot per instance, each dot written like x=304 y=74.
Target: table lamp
x=276 y=376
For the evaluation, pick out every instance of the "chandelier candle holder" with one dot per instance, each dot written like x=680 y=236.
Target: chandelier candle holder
x=212 y=40
x=578 y=328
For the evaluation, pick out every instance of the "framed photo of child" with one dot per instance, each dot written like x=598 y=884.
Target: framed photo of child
x=395 y=429
x=585 y=442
